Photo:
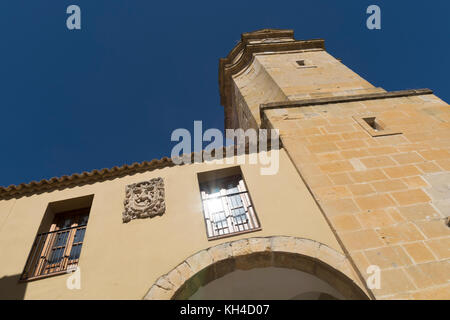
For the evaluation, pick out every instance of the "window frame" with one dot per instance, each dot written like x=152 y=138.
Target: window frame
x=364 y=119
x=45 y=244
x=251 y=225
x=306 y=64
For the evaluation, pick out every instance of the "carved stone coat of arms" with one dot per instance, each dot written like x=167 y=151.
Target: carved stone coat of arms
x=144 y=200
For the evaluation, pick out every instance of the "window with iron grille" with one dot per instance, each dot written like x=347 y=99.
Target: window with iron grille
x=58 y=250
x=227 y=207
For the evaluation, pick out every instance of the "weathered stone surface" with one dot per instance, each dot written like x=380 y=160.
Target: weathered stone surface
x=383 y=186
x=259 y=244
x=283 y=244
x=278 y=251
x=221 y=252
x=158 y=293
x=144 y=199
x=240 y=247
x=331 y=257
x=398 y=197
x=394 y=280
x=254 y=260
x=346 y=288
x=164 y=283
x=199 y=261
x=175 y=278
x=185 y=271
x=224 y=267
x=306 y=247
x=347 y=269
x=436 y=293
x=203 y=277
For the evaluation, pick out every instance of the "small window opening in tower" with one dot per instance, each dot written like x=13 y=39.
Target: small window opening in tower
x=301 y=63
x=371 y=121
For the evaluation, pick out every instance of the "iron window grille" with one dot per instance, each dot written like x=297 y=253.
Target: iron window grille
x=227 y=208
x=58 y=250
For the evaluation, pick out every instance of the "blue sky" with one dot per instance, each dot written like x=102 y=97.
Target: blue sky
x=113 y=92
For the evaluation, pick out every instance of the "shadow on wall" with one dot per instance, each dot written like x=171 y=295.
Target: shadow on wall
x=11 y=288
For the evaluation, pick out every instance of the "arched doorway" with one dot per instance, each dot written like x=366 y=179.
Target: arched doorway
x=270 y=283
x=305 y=269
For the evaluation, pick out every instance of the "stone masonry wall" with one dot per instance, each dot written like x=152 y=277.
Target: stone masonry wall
x=387 y=197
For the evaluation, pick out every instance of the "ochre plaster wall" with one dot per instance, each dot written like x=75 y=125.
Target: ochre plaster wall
x=122 y=260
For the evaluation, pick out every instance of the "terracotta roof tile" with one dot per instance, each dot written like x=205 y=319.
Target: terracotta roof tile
x=82 y=178
x=15 y=191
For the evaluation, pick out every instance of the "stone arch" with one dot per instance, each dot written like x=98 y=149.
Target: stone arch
x=277 y=251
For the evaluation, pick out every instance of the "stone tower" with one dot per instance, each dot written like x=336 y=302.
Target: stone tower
x=376 y=162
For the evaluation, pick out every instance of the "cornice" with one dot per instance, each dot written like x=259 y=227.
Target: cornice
x=242 y=55
x=338 y=99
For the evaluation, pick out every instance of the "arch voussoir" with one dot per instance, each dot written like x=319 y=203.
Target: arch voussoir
x=278 y=251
